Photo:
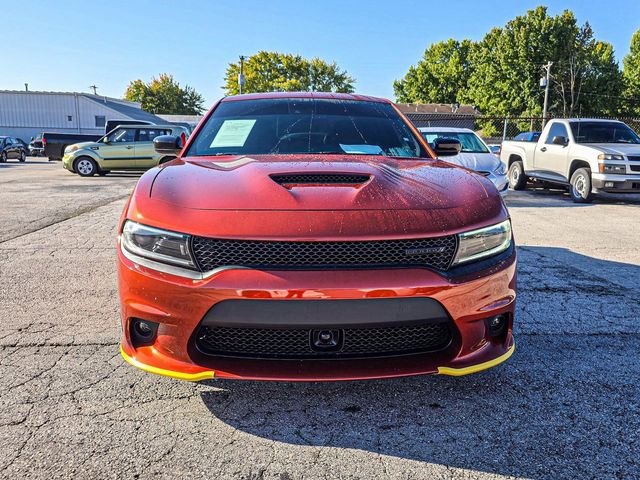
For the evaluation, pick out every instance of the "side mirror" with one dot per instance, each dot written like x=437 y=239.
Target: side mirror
x=168 y=144
x=446 y=147
x=105 y=140
x=560 y=140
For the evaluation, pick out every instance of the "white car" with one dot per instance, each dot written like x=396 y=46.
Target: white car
x=475 y=154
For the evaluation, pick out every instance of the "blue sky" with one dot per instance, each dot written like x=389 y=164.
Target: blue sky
x=69 y=45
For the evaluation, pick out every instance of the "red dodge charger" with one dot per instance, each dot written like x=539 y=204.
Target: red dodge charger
x=313 y=236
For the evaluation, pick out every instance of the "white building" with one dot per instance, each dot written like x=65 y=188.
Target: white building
x=24 y=114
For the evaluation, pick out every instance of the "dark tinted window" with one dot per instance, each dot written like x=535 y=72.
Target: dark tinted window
x=603 y=132
x=101 y=121
x=557 y=130
x=305 y=125
x=148 y=134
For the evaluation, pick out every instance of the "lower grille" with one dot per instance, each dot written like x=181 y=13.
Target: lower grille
x=294 y=343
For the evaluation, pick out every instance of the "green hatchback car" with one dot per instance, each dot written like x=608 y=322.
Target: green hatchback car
x=127 y=147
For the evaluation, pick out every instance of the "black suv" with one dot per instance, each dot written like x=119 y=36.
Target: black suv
x=12 y=148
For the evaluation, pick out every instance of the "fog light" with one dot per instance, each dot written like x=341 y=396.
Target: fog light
x=143 y=332
x=497 y=325
x=608 y=184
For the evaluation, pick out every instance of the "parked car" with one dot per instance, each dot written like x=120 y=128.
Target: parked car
x=128 y=147
x=11 y=148
x=527 y=137
x=475 y=154
x=55 y=143
x=313 y=236
x=36 y=148
x=589 y=156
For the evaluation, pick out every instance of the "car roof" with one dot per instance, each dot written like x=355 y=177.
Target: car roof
x=445 y=129
x=317 y=95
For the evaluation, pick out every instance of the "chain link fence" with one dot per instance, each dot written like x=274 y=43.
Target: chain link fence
x=495 y=129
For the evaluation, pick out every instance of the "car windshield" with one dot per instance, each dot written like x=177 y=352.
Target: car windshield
x=305 y=125
x=469 y=141
x=603 y=132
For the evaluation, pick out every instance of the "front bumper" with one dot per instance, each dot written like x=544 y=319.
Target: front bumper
x=615 y=183
x=179 y=305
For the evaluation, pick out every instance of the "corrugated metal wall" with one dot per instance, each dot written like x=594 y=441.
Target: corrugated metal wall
x=25 y=114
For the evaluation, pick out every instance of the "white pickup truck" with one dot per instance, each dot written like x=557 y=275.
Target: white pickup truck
x=588 y=155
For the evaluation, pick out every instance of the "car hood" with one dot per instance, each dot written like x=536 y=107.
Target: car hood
x=247 y=183
x=88 y=144
x=479 y=162
x=615 y=148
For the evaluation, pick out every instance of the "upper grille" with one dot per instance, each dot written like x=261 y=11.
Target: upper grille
x=436 y=253
x=635 y=168
x=297 y=342
x=319 y=179
x=633 y=158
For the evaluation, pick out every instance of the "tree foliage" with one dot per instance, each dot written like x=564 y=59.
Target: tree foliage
x=439 y=77
x=165 y=95
x=501 y=73
x=282 y=72
x=632 y=75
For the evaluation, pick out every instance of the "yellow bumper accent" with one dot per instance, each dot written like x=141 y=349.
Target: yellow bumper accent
x=458 y=372
x=191 y=377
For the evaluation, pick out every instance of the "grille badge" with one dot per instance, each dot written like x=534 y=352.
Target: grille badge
x=424 y=251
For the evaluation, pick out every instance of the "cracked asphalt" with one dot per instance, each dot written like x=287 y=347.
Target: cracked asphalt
x=566 y=405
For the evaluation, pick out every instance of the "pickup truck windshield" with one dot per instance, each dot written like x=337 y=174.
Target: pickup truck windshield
x=603 y=132
x=470 y=143
x=305 y=125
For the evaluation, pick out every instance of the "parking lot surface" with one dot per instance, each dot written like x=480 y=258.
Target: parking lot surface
x=566 y=405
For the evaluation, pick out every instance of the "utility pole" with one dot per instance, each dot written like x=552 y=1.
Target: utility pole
x=241 y=74
x=26 y=87
x=94 y=88
x=544 y=82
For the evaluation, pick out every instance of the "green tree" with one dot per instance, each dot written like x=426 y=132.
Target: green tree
x=631 y=74
x=507 y=66
x=439 y=77
x=165 y=95
x=282 y=72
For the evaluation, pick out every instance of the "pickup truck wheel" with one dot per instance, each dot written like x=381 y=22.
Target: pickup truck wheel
x=581 y=186
x=517 y=177
x=85 y=167
x=3 y=157
x=23 y=157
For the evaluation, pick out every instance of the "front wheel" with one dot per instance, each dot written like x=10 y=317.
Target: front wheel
x=517 y=177
x=581 y=186
x=85 y=167
x=23 y=156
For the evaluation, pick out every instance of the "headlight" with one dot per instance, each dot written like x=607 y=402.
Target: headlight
x=483 y=242
x=71 y=148
x=612 y=168
x=156 y=244
x=501 y=169
x=609 y=156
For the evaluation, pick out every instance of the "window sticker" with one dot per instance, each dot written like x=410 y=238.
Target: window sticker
x=233 y=133
x=361 y=149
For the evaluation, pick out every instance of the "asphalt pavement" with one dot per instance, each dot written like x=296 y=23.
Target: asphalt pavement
x=566 y=405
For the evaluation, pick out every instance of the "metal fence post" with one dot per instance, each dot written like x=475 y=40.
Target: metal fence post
x=504 y=130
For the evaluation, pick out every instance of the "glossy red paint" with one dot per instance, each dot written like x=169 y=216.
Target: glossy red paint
x=234 y=197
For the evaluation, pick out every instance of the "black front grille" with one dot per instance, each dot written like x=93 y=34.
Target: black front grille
x=635 y=168
x=634 y=158
x=436 y=253
x=319 y=179
x=298 y=342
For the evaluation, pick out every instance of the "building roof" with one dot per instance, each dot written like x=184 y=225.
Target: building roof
x=440 y=108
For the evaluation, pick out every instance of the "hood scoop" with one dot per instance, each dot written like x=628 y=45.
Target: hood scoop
x=315 y=179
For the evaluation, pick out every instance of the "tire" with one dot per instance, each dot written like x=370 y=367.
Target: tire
x=580 y=188
x=85 y=167
x=517 y=177
x=3 y=157
x=23 y=157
